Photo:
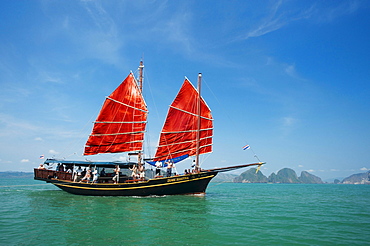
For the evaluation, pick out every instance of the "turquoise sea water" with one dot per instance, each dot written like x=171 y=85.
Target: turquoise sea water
x=35 y=213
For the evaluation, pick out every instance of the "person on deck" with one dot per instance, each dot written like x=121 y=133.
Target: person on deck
x=77 y=174
x=83 y=173
x=87 y=176
x=41 y=166
x=102 y=172
x=134 y=171
x=96 y=176
x=117 y=170
x=158 y=166
x=169 y=168
x=141 y=170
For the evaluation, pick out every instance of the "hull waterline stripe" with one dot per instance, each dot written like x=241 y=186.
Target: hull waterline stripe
x=136 y=187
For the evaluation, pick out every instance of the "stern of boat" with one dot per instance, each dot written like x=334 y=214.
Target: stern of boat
x=47 y=175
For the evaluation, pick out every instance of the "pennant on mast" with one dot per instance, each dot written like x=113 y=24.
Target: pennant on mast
x=121 y=123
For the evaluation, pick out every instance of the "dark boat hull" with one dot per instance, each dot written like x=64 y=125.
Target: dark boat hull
x=176 y=185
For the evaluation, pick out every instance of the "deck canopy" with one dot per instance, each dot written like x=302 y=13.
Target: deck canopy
x=105 y=164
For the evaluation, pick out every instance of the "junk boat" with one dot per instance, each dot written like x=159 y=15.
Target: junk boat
x=119 y=128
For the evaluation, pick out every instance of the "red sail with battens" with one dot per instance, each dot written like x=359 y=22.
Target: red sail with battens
x=179 y=133
x=120 y=126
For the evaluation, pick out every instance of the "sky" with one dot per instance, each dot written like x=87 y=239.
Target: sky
x=289 y=78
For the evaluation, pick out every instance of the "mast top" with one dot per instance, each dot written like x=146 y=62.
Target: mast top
x=141 y=64
x=141 y=76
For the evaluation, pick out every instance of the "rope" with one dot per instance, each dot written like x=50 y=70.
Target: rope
x=219 y=183
x=228 y=116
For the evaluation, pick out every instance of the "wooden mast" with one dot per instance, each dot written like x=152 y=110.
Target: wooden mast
x=140 y=83
x=197 y=165
x=141 y=77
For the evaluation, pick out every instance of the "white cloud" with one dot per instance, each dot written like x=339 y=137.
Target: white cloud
x=53 y=152
x=277 y=18
x=290 y=70
x=282 y=13
x=311 y=171
x=330 y=13
x=364 y=169
x=25 y=160
x=102 y=39
x=38 y=139
x=48 y=77
x=289 y=121
x=300 y=165
x=12 y=126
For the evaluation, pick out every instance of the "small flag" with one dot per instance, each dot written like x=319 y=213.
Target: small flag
x=246 y=147
x=42 y=156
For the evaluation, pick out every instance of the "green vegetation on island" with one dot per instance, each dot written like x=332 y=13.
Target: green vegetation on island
x=283 y=176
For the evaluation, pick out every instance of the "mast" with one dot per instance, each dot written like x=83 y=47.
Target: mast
x=141 y=77
x=198 y=123
x=140 y=82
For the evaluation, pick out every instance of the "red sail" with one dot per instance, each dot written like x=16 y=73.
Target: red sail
x=179 y=133
x=121 y=123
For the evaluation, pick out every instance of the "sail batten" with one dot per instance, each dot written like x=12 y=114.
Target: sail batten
x=118 y=122
x=179 y=142
x=111 y=134
x=121 y=123
x=187 y=131
x=191 y=113
x=127 y=105
x=184 y=126
x=164 y=157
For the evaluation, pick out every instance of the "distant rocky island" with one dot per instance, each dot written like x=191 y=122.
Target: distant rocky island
x=359 y=178
x=11 y=174
x=288 y=176
x=284 y=176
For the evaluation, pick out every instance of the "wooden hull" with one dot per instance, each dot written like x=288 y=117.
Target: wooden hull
x=176 y=185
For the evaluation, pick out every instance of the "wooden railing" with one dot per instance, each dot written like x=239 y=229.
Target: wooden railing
x=48 y=174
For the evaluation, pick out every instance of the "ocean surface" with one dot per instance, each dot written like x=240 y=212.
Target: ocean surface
x=35 y=213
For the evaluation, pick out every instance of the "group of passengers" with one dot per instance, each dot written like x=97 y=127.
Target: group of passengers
x=79 y=175
x=169 y=166
x=85 y=175
x=137 y=172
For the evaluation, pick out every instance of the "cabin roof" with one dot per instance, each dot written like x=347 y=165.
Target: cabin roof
x=91 y=163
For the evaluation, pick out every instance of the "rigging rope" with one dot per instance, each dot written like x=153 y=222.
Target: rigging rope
x=219 y=184
x=225 y=112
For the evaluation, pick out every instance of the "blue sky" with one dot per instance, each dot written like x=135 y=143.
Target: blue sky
x=289 y=78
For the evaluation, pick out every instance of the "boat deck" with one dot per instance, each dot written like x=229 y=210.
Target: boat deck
x=45 y=174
